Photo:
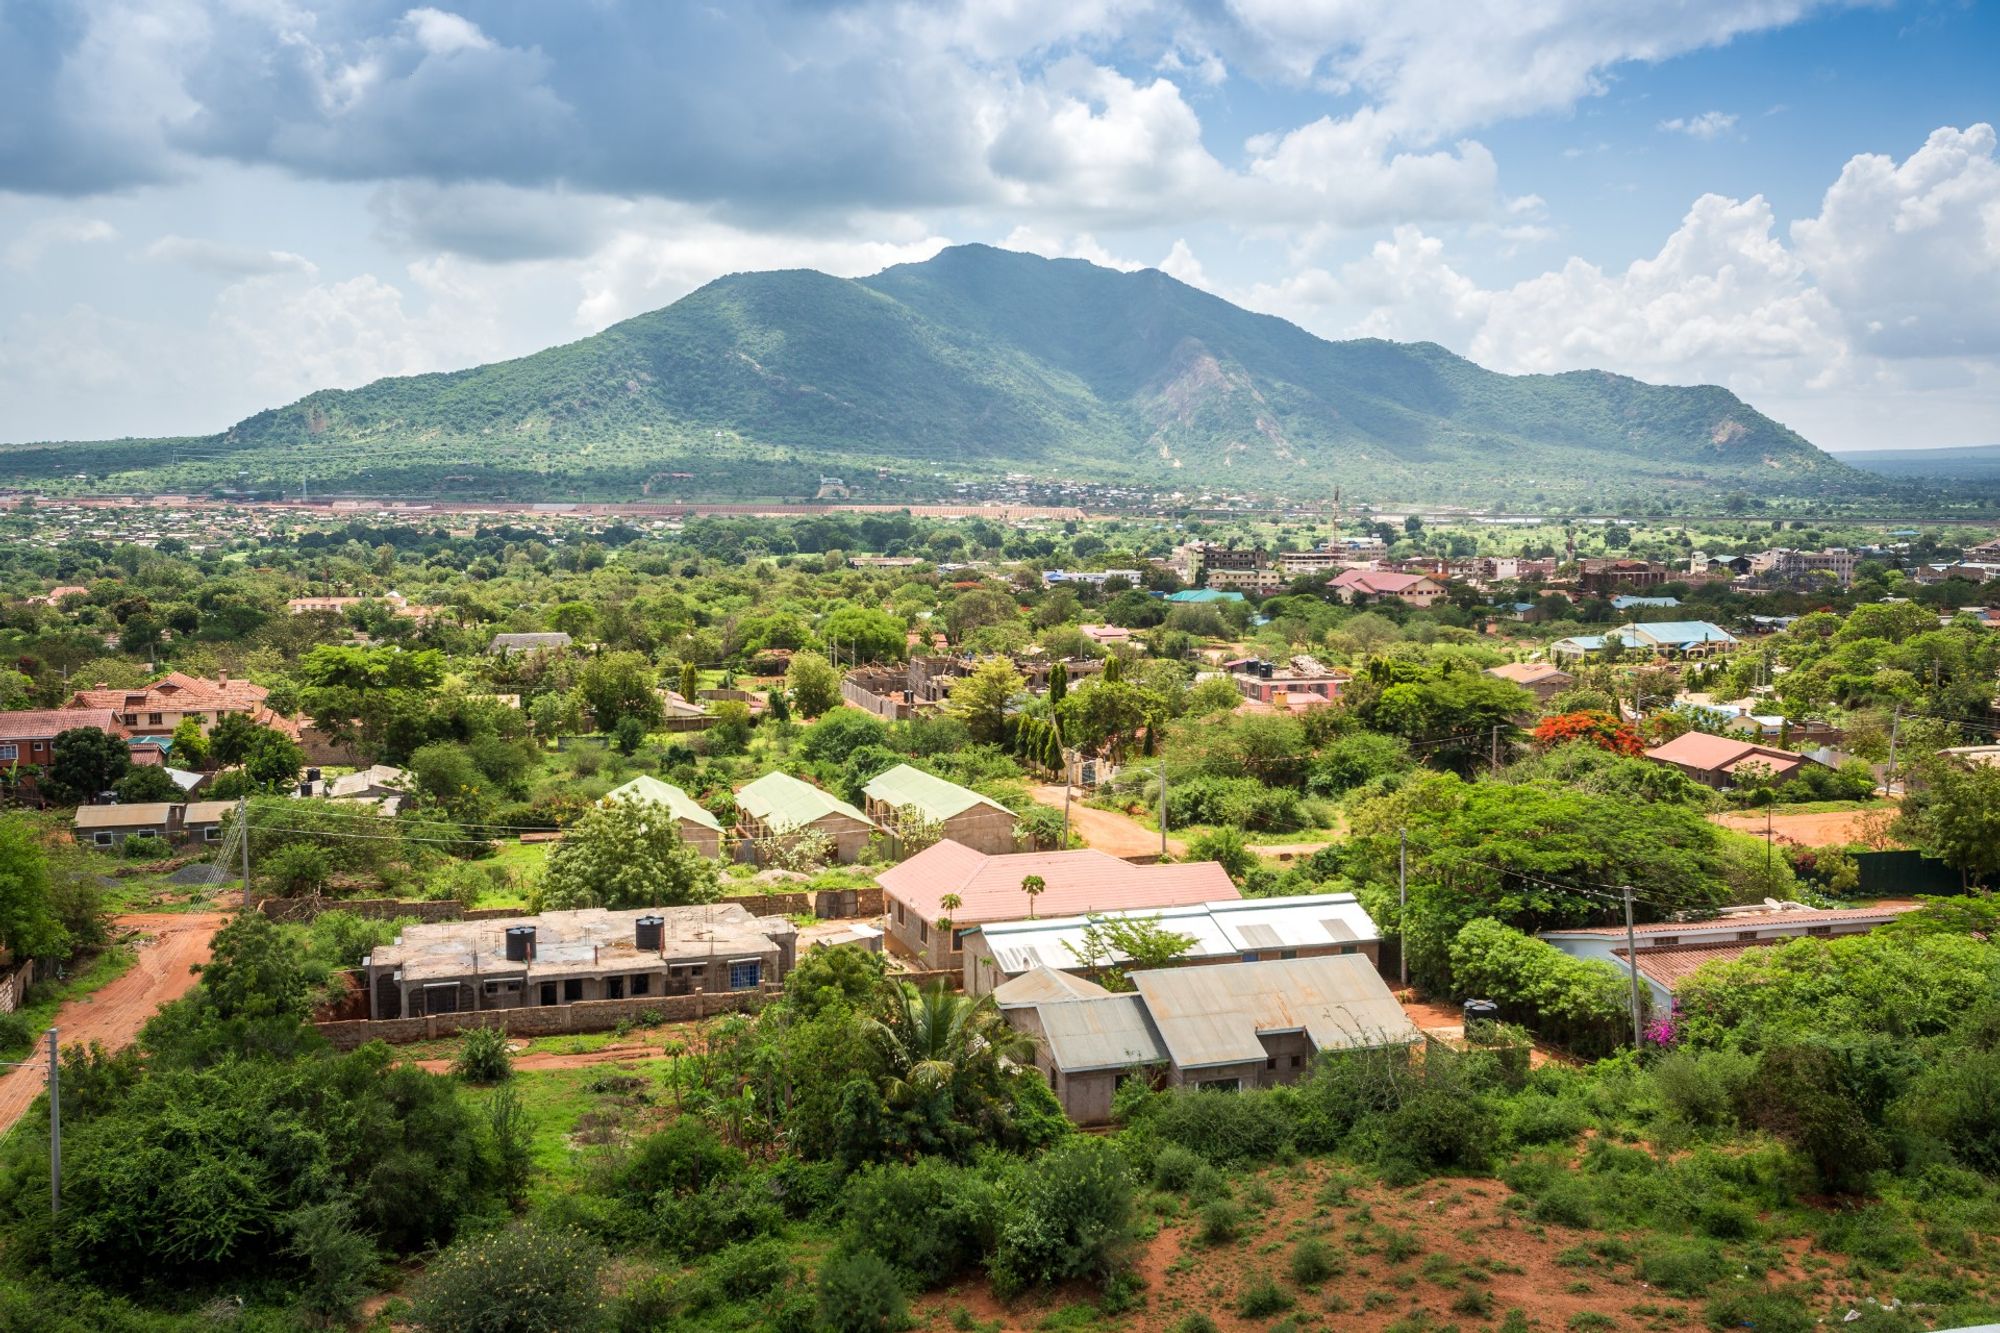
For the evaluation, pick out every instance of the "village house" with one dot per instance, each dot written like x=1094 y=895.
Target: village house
x=521 y=962
x=1224 y=1028
x=988 y=889
x=778 y=809
x=160 y=707
x=1670 y=951
x=1684 y=639
x=1544 y=680
x=961 y=814
x=1230 y=930
x=1302 y=682
x=202 y=821
x=698 y=828
x=28 y=738
x=108 y=826
x=546 y=641
x=1604 y=577
x=1722 y=761
x=1355 y=585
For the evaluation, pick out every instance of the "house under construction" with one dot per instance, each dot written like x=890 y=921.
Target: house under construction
x=520 y=962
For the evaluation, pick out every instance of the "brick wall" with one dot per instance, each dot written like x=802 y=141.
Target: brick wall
x=546 y=1020
x=773 y=904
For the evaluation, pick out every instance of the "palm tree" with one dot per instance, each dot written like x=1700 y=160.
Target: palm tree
x=935 y=1039
x=1033 y=886
x=951 y=902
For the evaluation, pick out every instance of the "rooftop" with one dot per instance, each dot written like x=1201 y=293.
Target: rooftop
x=1226 y=928
x=588 y=940
x=1210 y=1016
x=1701 y=750
x=1075 y=883
x=678 y=803
x=123 y=816
x=1779 y=918
x=37 y=723
x=937 y=799
x=782 y=803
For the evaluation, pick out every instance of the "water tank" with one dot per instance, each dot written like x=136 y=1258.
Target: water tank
x=312 y=775
x=1481 y=1011
x=1265 y=669
x=646 y=932
x=520 y=943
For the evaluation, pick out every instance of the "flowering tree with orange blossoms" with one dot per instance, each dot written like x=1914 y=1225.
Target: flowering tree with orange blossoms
x=1598 y=728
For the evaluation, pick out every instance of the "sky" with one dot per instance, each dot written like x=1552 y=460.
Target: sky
x=212 y=207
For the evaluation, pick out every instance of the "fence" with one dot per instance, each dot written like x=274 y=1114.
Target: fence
x=545 y=1020
x=1904 y=875
x=14 y=986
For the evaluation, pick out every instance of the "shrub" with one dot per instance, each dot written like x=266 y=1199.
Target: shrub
x=932 y=1219
x=684 y=1156
x=1242 y=1127
x=1679 y=1267
x=340 y=1259
x=1072 y=1217
x=1195 y=1323
x=146 y=847
x=1578 y=1002
x=751 y=1269
x=1221 y=1220
x=482 y=1056
x=1262 y=1298
x=1473 y=1302
x=522 y=1280
x=1174 y=1167
x=16 y=1033
x=858 y=1293
x=1312 y=1262
x=1760 y=1308
x=1703 y=1088
x=727 y=1212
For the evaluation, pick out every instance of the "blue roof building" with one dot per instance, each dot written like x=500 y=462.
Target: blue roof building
x=1670 y=638
x=1625 y=601
x=1202 y=595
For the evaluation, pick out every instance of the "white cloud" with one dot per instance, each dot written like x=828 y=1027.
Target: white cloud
x=441 y=33
x=1082 y=245
x=1181 y=263
x=224 y=260
x=28 y=249
x=1886 y=297
x=1707 y=125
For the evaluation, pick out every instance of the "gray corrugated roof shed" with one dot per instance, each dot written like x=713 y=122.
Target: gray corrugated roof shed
x=1109 y=1032
x=1212 y=1015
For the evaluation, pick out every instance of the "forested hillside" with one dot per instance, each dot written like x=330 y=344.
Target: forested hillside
x=977 y=363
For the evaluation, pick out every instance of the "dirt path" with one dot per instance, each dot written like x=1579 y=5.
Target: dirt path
x=114 y=1015
x=1825 y=830
x=1107 y=830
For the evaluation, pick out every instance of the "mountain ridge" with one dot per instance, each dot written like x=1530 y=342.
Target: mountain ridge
x=980 y=363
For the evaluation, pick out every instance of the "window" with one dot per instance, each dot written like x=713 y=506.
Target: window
x=1819 y=930
x=10 y=752
x=1288 y=953
x=1250 y=957
x=1220 y=1085
x=1746 y=936
x=745 y=974
x=153 y=719
x=212 y=834
x=1347 y=948
x=923 y=932
x=38 y=747
x=548 y=992
x=642 y=985
x=101 y=839
x=958 y=939
x=614 y=988
x=1270 y=1062
x=1295 y=1062
x=572 y=990
x=900 y=917
x=1663 y=941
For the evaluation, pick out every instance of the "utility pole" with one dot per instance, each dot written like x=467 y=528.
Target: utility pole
x=1066 y=791
x=55 y=1129
x=1402 y=906
x=1895 y=726
x=243 y=827
x=1632 y=962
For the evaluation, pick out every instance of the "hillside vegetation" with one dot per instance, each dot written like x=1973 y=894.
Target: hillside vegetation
x=973 y=364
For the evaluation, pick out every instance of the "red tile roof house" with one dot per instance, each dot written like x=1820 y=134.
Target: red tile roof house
x=160 y=706
x=1412 y=589
x=1670 y=951
x=27 y=739
x=1718 y=761
x=989 y=889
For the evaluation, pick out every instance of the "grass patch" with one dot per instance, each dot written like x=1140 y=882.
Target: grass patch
x=97 y=972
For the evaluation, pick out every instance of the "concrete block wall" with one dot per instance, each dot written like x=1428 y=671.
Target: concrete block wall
x=547 y=1020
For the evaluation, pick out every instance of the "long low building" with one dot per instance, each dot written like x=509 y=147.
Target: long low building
x=698 y=828
x=1670 y=951
x=938 y=896
x=1232 y=1027
x=1230 y=930
x=778 y=809
x=961 y=814
x=521 y=962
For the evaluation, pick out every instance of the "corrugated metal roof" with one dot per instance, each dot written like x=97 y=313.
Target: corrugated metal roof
x=1041 y=985
x=939 y=800
x=1107 y=1032
x=1799 y=917
x=645 y=787
x=122 y=816
x=783 y=803
x=1221 y=929
x=1211 y=1016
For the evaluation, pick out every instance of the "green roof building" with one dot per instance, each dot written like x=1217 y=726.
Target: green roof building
x=965 y=816
x=698 y=828
x=778 y=807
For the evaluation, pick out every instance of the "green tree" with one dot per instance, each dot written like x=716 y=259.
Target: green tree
x=231 y=739
x=526 y=1279
x=379 y=698
x=85 y=761
x=296 y=870
x=28 y=923
x=1033 y=886
x=1226 y=846
x=272 y=759
x=731 y=732
x=627 y=854
x=980 y=700
x=1955 y=817
x=937 y=1040
x=691 y=683
x=190 y=748
x=1058 y=683
x=813 y=683
x=619 y=685
x=864 y=634
x=1116 y=946
x=144 y=783
x=253 y=971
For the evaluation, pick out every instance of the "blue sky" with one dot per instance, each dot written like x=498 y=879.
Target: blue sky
x=208 y=207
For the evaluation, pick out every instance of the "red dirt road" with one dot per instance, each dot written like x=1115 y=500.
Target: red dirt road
x=113 y=1016
x=1107 y=830
x=1822 y=830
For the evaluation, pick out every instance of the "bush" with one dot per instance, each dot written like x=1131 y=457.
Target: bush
x=1224 y=1128
x=1220 y=1222
x=752 y=1269
x=1703 y=1088
x=1071 y=1218
x=522 y=1280
x=1581 y=1003
x=482 y=1056
x=726 y=1213
x=1262 y=1298
x=683 y=1157
x=1312 y=1262
x=1760 y=1308
x=1174 y=1166
x=146 y=847
x=1684 y=1268
x=16 y=1033
x=1195 y=1323
x=932 y=1219
x=295 y=870
x=858 y=1293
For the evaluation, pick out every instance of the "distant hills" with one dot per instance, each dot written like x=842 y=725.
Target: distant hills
x=1973 y=462
x=977 y=363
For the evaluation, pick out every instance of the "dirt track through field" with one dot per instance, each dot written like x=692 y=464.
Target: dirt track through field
x=1833 y=829
x=543 y=1061
x=1107 y=830
x=113 y=1016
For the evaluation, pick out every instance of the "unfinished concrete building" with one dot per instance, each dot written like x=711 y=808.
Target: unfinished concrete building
x=521 y=962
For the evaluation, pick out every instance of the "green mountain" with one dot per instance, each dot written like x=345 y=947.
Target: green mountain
x=976 y=364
